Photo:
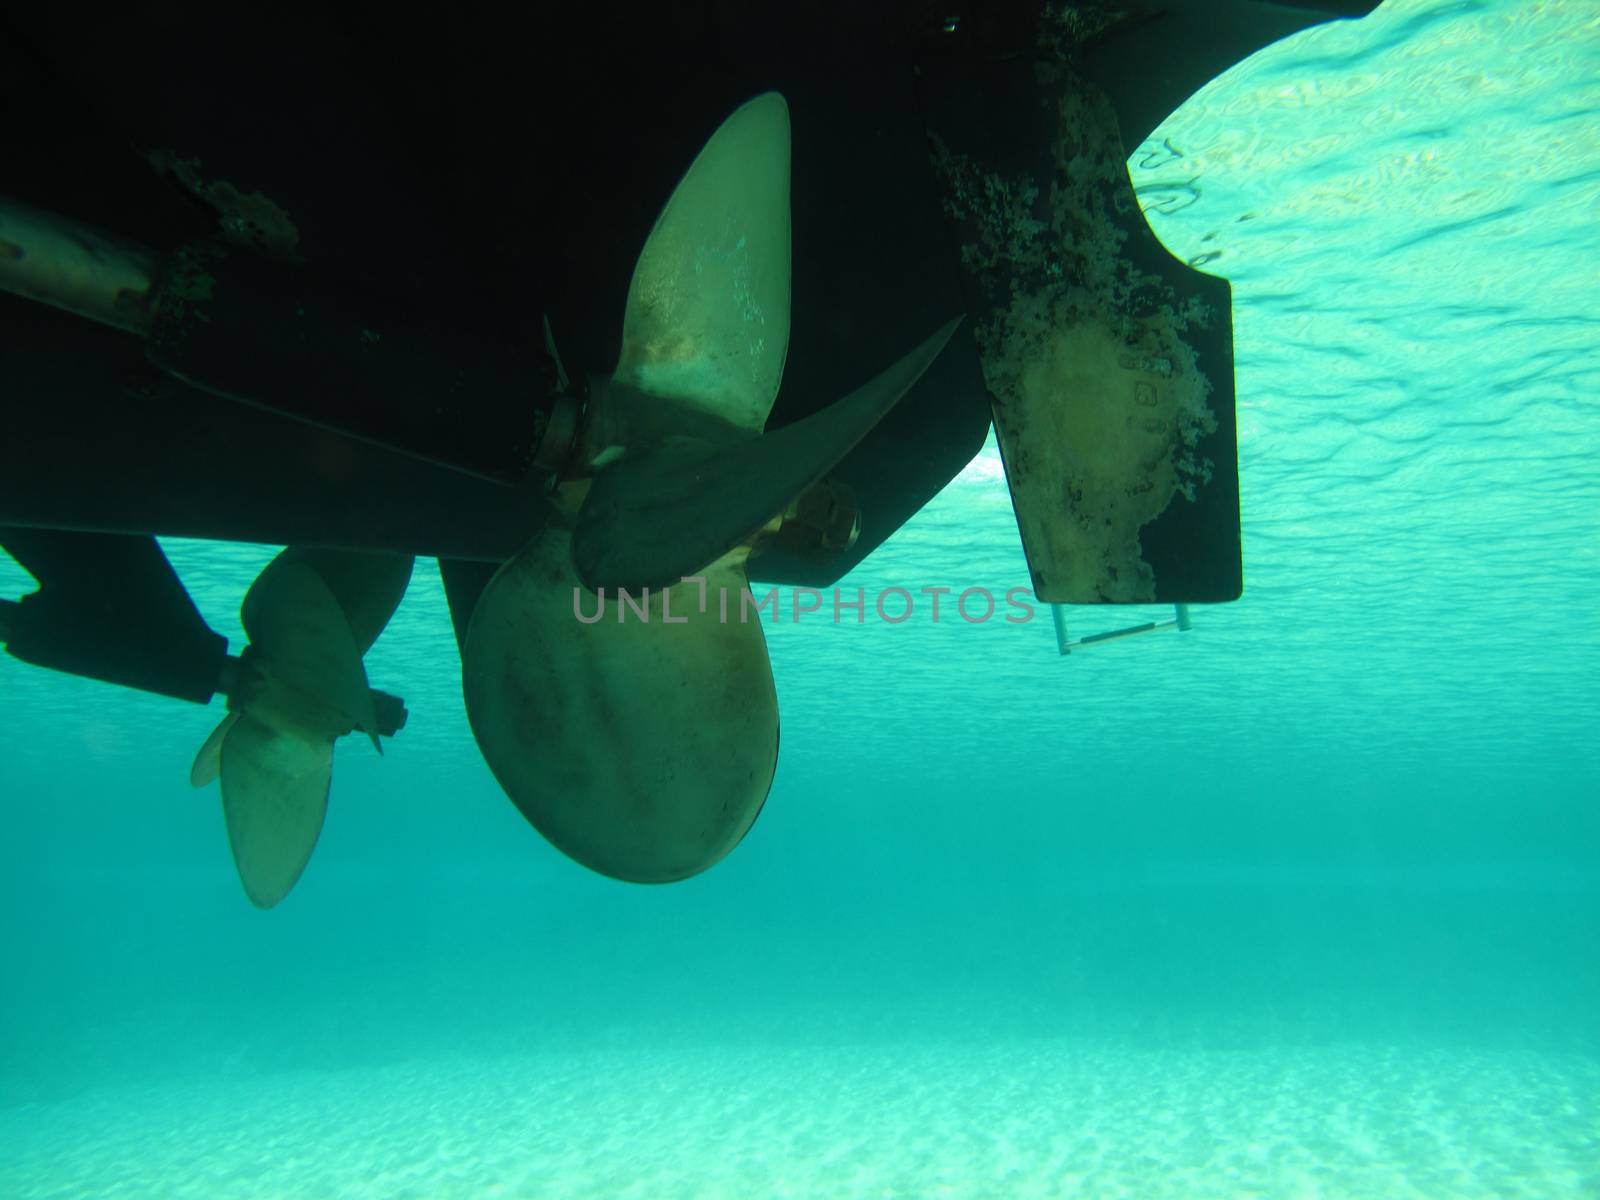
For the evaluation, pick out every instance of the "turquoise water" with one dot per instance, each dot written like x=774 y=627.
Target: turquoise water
x=1304 y=902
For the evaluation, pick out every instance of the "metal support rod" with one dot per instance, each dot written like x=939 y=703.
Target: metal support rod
x=1066 y=644
x=323 y=350
x=76 y=267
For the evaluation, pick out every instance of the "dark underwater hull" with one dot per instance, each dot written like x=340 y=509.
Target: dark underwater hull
x=492 y=178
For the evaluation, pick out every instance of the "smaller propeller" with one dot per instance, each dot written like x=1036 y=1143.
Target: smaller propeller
x=311 y=616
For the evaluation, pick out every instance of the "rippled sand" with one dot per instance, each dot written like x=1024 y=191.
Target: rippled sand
x=1024 y=1119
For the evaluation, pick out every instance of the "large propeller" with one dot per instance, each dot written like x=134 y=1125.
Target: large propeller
x=638 y=730
x=311 y=615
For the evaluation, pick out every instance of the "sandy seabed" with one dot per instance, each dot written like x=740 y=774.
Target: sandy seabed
x=1023 y=1119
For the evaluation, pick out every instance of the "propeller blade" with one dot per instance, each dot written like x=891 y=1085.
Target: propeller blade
x=208 y=762
x=707 y=318
x=295 y=623
x=643 y=748
x=274 y=796
x=649 y=520
x=367 y=586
